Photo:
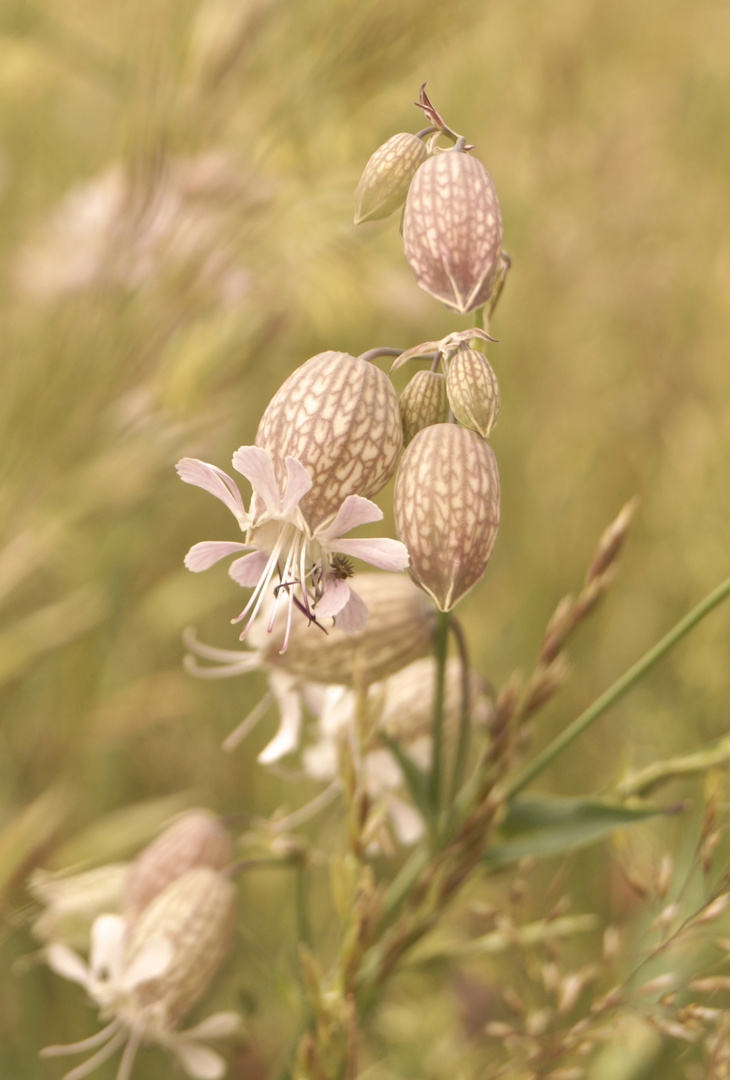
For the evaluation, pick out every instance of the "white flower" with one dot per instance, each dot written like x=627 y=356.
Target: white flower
x=111 y=979
x=310 y=567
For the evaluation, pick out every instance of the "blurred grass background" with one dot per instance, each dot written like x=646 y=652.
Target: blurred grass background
x=176 y=184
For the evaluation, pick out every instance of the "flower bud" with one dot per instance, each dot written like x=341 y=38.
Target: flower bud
x=424 y=401
x=384 y=183
x=195 y=914
x=447 y=509
x=195 y=838
x=473 y=391
x=338 y=416
x=399 y=629
x=407 y=708
x=452 y=230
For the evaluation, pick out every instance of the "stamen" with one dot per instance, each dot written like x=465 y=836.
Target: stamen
x=246 y=726
x=313 y=807
x=130 y=1053
x=98 y=1059
x=85 y=1044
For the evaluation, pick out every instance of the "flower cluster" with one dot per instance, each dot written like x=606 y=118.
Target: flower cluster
x=152 y=961
x=330 y=437
x=452 y=222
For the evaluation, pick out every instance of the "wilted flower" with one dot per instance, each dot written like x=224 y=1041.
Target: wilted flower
x=473 y=390
x=284 y=546
x=399 y=630
x=146 y=976
x=447 y=509
x=72 y=901
x=383 y=186
x=424 y=401
x=195 y=838
x=452 y=230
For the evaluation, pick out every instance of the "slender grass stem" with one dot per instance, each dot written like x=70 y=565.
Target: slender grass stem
x=437 y=728
x=618 y=689
x=462 y=745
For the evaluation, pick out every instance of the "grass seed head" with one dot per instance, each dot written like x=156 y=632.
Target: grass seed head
x=447 y=509
x=424 y=401
x=384 y=184
x=338 y=416
x=473 y=391
x=452 y=230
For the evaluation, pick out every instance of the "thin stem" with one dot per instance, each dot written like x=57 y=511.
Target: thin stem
x=618 y=689
x=373 y=354
x=427 y=131
x=462 y=745
x=437 y=727
x=300 y=891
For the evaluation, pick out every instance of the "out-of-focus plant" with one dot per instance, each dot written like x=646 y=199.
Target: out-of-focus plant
x=428 y=764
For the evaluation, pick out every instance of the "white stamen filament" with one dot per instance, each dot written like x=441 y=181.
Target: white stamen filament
x=86 y=1044
x=246 y=726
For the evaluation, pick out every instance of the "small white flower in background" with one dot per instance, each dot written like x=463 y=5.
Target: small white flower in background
x=147 y=974
x=398 y=631
x=283 y=552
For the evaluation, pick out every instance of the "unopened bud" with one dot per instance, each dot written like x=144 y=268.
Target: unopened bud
x=407 y=709
x=399 y=630
x=452 y=230
x=447 y=509
x=195 y=914
x=384 y=183
x=424 y=401
x=195 y=838
x=338 y=416
x=473 y=391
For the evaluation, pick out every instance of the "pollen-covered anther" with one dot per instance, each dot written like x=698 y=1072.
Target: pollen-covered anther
x=195 y=915
x=447 y=509
x=452 y=230
x=424 y=401
x=383 y=186
x=473 y=391
x=195 y=838
x=338 y=416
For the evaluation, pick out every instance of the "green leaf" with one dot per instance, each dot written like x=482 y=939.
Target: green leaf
x=542 y=825
x=415 y=777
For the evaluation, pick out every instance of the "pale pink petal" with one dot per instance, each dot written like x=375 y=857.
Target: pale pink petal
x=407 y=822
x=290 y=707
x=218 y=483
x=67 y=964
x=107 y=945
x=256 y=465
x=354 y=614
x=354 y=511
x=335 y=596
x=298 y=483
x=248 y=570
x=208 y=552
x=197 y=1061
x=382 y=552
x=217 y=1026
x=153 y=960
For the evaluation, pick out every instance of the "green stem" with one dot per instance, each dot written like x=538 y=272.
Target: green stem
x=437 y=728
x=462 y=745
x=619 y=688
